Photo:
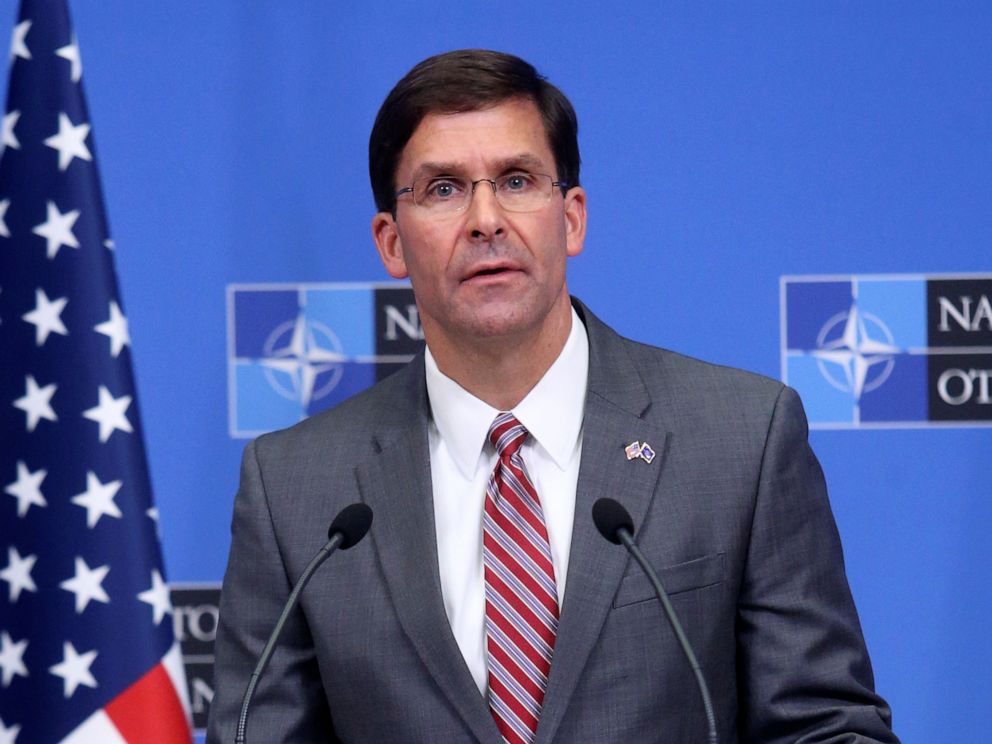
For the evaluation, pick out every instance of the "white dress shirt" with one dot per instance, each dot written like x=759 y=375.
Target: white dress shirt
x=462 y=460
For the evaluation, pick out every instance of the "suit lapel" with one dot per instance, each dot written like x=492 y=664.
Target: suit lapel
x=395 y=481
x=615 y=401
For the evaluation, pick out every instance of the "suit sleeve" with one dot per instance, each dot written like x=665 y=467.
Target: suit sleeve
x=289 y=704
x=803 y=666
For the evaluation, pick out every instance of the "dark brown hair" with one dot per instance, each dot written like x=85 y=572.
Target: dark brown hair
x=466 y=80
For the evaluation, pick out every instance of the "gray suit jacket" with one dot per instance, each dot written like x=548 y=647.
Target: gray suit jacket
x=733 y=511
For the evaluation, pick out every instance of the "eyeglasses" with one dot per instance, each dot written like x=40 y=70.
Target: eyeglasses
x=518 y=191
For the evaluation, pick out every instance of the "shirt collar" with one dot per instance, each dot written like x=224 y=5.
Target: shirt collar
x=552 y=411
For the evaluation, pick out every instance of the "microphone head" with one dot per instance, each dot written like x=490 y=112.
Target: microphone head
x=352 y=522
x=610 y=517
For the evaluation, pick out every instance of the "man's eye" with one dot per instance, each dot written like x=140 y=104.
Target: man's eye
x=441 y=189
x=518 y=182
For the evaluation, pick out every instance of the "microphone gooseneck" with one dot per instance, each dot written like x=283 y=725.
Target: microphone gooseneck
x=614 y=524
x=348 y=528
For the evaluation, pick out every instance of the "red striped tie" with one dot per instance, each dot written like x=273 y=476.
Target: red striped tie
x=521 y=599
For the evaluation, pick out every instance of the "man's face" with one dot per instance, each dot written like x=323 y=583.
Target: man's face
x=484 y=272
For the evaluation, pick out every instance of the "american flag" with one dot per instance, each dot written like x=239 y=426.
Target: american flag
x=87 y=652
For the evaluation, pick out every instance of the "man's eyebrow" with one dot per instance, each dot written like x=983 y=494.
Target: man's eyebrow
x=435 y=169
x=522 y=161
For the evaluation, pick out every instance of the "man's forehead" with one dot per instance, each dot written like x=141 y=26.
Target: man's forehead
x=506 y=135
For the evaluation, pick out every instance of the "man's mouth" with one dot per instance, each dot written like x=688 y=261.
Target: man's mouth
x=493 y=270
x=490 y=272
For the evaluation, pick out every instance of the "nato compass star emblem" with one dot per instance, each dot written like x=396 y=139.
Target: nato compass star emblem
x=308 y=357
x=856 y=352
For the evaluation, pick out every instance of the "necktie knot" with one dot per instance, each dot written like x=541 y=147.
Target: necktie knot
x=506 y=434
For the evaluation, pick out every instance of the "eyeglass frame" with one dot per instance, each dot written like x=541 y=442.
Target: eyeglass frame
x=563 y=186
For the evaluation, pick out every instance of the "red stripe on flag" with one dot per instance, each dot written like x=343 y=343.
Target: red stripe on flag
x=149 y=711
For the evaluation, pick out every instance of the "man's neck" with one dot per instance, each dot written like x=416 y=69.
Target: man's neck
x=502 y=370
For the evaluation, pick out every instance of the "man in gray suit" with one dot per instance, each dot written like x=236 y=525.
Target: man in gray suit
x=484 y=606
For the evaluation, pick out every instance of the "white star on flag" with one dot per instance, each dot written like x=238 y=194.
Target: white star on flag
x=11 y=659
x=18 y=573
x=27 y=488
x=4 y=206
x=98 y=499
x=57 y=229
x=158 y=597
x=71 y=53
x=18 y=45
x=74 y=669
x=86 y=584
x=109 y=413
x=37 y=402
x=115 y=329
x=8 y=735
x=9 y=122
x=46 y=316
x=152 y=514
x=70 y=141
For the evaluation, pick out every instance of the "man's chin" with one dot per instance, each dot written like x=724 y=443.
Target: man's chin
x=510 y=319
x=493 y=327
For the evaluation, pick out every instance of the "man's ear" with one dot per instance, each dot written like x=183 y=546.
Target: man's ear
x=389 y=244
x=575 y=220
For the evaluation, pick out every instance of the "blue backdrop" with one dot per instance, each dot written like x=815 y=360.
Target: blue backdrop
x=723 y=147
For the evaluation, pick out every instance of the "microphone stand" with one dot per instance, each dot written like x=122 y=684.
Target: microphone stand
x=628 y=542
x=263 y=661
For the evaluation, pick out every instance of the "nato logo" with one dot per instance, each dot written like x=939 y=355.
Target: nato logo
x=298 y=349
x=889 y=351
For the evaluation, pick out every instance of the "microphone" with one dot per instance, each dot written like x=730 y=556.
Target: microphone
x=348 y=528
x=615 y=524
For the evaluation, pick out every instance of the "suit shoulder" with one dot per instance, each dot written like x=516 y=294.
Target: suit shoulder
x=354 y=419
x=707 y=397
x=668 y=375
x=691 y=373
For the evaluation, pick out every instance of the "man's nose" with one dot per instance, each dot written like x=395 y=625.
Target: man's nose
x=486 y=218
